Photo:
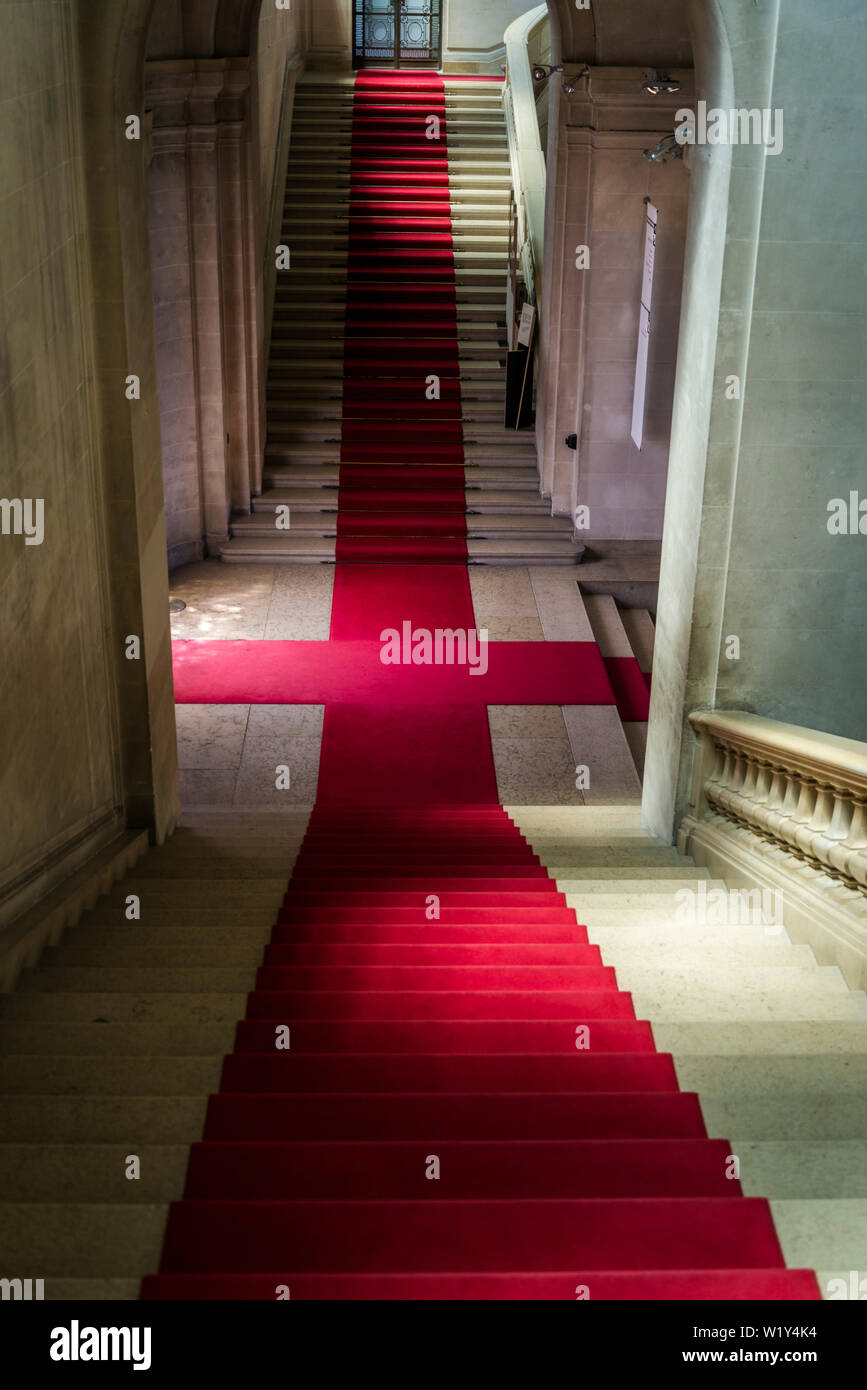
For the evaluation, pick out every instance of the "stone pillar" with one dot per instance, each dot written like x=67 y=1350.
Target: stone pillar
x=204 y=297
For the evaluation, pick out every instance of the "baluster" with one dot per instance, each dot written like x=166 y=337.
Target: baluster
x=853 y=850
x=799 y=816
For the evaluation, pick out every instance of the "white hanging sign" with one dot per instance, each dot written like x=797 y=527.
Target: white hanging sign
x=526 y=324
x=640 y=391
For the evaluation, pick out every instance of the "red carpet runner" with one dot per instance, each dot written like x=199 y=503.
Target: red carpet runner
x=438 y=1091
x=401 y=493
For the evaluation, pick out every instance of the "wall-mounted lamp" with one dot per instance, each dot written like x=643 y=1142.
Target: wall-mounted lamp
x=570 y=83
x=669 y=147
x=659 y=81
x=542 y=72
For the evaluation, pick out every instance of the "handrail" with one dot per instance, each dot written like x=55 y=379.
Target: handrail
x=803 y=791
x=525 y=146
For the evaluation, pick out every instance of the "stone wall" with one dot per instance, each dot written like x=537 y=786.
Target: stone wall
x=598 y=181
x=220 y=139
x=84 y=752
x=473 y=33
x=60 y=758
x=775 y=263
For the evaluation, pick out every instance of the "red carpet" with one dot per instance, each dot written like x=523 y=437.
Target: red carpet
x=310 y=673
x=438 y=1091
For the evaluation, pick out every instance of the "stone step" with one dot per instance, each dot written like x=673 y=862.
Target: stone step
x=488 y=205
x=478 y=525
x=805 y=1169
x=258 y=894
x=186 y=914
x=180 y=1038
x=479 y=433
x=235 y=952
x=740 y=984
x=619 y=942
x=92 y=1173
x=468 y=278
x=204 y=979
x=835 y=1075
x=287 y=549
x=108 y=1076
x=475 y=455
x=327 y=415
x=98 y=1240
x=326 y=241
x=714 y=1003
x=823 y=1235
x=327 y=476
x=792 y=1115
x=473 y=152
x=478 y=501
x=760 y=1037
x=641 y=633
x=79 y=1007
x=313 y=176
x=623 y=853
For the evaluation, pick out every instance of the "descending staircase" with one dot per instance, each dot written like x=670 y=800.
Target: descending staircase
x=624 y=634
x=111 y=1046
x=328 y=204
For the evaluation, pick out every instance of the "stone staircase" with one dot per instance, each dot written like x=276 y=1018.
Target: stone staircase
x=624 y=632
x=775 y=1044
x=508 y=522
x=110 y=1047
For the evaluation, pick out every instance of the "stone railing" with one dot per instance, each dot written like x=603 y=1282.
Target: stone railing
x=784 y=807
x=527 y=158
x=804 y=791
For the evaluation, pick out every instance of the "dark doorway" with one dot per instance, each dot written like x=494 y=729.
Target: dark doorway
x=397 y=34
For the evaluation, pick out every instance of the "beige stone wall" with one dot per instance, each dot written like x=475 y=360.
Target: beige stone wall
x=623 y=486
x=473 y=32
x=282 y=43
x=775 y=263
x=598 y=180
x=215 y=179
x=281 y=38
x=329 y=34
x=798 y=338
x=59 y=765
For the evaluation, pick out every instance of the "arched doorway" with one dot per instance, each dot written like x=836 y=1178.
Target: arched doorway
x=397 y=33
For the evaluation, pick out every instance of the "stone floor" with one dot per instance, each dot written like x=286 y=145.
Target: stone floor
x=229 y=754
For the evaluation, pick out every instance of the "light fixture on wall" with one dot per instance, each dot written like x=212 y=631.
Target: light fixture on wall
x=669 y=147
x=542 y=71
x=659 y=81
x=570 y=83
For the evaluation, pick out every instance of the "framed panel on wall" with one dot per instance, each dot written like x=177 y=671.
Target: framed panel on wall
x=397 y=34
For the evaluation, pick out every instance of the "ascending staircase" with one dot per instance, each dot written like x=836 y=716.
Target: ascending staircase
x=350 y=201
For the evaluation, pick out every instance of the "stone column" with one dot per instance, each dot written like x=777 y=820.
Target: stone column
x=204 y=302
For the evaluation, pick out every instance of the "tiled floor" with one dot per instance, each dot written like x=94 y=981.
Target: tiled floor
x=230 y=754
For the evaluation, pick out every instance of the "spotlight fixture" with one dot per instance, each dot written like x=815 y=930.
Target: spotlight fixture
x=669 y=147
x=570 y=83
x=542 y=72
x=659 y=81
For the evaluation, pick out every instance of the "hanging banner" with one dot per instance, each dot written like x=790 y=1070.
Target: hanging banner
x=526 y=325
x=639 y=394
